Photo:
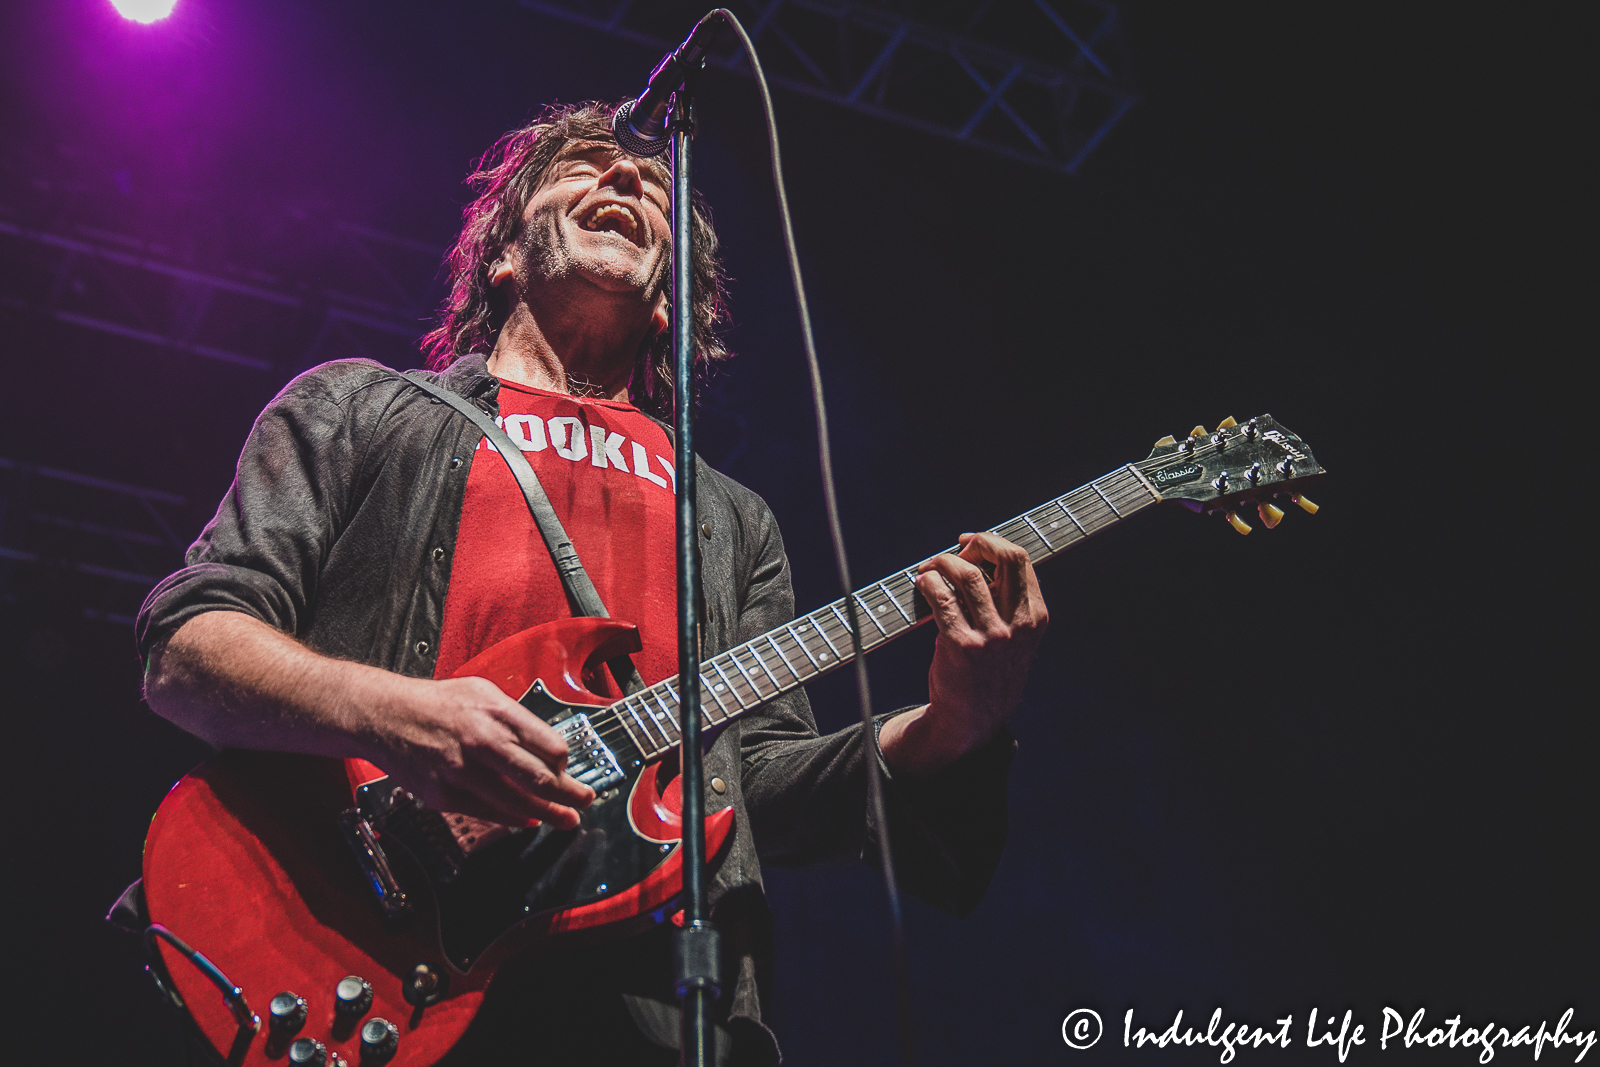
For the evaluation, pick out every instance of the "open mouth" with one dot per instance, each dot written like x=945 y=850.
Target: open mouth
x=613 y=218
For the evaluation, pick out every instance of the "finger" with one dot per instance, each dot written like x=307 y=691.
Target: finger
x=947 y=613
x=503 y=804
x=527 y=773
x=513 y=780
x=1015 y=585
x=533 y=733
x=971 y=587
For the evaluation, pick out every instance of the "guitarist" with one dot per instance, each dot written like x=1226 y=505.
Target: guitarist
x=371 y=543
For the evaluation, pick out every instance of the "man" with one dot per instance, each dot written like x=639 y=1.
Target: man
x=372 y=544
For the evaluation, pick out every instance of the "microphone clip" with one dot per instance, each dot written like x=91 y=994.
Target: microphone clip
x=642 y=127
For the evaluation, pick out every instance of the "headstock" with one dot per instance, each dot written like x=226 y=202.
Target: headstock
x=1232 y=466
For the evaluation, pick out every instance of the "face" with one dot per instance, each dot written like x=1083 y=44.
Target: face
x=599 y=216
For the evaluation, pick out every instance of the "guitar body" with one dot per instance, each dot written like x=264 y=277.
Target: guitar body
x=246 y=861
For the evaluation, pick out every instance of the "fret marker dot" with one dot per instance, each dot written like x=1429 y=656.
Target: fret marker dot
x=882 y=608
x=719 y=687
x=1053 y=525
x=822 y=655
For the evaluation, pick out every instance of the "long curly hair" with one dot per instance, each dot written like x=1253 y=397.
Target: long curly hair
x=505 y=179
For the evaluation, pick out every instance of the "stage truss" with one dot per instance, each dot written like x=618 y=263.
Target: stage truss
x=1033 y=80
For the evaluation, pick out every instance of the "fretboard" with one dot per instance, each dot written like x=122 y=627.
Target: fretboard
x=744 y=678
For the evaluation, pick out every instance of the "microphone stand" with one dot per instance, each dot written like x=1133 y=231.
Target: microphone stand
x=697 y=958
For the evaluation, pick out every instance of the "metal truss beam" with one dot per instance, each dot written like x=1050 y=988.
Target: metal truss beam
x=127 y=288
x=110 y=539
x=1013 y=77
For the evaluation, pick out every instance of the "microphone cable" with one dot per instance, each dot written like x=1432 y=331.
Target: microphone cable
x=869 y=743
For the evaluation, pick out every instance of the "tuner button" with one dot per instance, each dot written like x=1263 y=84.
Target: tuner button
x=1254 y=473
x=305 y=1050
x=1270 y=514
x=1228 y=423
x=1220 y=484
x=1250 y=430
x=1304 y=502
x=1166 y=442
x=1187 y=446
x=286 y=1013
x=1285 y=466
x=379 y=1039
x=1198 y=431
x=1236 y=522
x=352 y=995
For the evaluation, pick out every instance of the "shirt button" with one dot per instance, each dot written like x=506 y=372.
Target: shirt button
x=438 y=555
x=705 y=528
x=718 y=786
x=422 y=648
x=455 y=461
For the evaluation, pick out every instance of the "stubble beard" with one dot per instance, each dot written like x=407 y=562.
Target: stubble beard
x=548 y=256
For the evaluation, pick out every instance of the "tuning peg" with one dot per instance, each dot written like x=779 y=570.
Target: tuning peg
x=1166 y=442
x=1304 y=502
x=1236 y=522
x=1270 y=514
x=1198 y=431
x=1228 y=423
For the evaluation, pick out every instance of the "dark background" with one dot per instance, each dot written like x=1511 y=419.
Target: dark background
x=1343 y=764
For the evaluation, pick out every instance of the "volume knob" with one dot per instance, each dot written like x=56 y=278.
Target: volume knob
x=379 y=1039
x=305 y=1050
x=287 y=1012
x=352 y=996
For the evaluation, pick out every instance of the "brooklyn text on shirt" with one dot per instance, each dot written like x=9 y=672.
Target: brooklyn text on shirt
x=573 y=439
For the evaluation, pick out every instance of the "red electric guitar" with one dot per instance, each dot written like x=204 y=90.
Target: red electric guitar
x=367 y=927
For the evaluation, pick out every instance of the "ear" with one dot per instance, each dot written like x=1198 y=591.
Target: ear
x=659 y=320
x=499 y=271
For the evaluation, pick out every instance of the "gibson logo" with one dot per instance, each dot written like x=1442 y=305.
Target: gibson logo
x=1178 y=474
x=1278 y=439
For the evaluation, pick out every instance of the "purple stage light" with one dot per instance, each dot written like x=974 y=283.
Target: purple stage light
x=145 y=11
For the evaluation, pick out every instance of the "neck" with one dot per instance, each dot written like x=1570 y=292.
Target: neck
x=763 y=668
x=584 y=348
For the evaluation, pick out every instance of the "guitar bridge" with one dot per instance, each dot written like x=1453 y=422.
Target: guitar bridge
x=588 y=758
x=369 y=854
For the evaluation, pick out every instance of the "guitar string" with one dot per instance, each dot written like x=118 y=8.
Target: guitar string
x=1023 y=527
x=750 y=694
x=828 y=628
x=825 y=620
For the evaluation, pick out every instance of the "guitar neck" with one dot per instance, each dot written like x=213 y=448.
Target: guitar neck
x=743 y=678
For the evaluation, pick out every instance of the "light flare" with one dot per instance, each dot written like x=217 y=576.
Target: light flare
x=145 y=11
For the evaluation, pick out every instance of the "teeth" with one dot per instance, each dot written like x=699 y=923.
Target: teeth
x=614 y=213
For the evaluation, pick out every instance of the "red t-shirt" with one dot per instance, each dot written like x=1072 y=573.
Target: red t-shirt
x=607 y=468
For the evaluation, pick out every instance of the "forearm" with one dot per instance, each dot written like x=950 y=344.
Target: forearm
x=920 y=743
x=237 y=682
x=459 y=744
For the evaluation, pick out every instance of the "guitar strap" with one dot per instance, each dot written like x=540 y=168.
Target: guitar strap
x=580 y=590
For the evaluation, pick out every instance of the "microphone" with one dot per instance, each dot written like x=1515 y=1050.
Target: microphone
x=640 y=126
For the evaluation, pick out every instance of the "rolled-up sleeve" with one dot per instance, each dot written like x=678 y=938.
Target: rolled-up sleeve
x=263 y=551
